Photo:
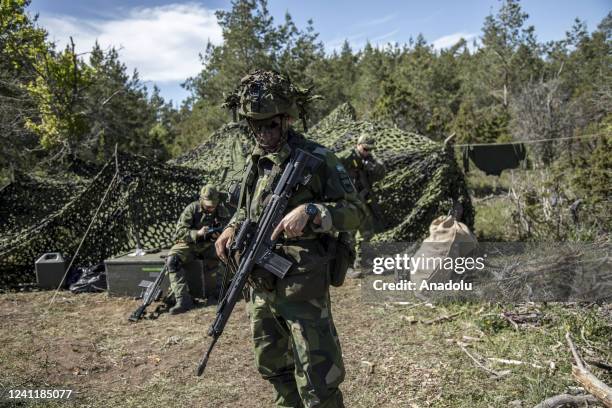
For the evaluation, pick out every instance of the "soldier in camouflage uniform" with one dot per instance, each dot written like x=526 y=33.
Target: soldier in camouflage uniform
x=364 y=169
x=193 y=240
x=295 y=341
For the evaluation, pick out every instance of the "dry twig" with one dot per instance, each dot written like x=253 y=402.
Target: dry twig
x=514 y=362
x=590 y=383
x=441 y=319
x=512 y=322
x=497 y=374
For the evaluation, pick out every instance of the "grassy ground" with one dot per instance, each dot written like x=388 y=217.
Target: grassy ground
x=393 y=357
x=84 y=343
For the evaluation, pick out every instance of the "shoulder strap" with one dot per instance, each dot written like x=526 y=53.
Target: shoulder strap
x=243 y=184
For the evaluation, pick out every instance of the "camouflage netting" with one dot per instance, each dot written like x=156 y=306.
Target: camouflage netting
x=28 y=198
x=221 y=157
x=422 y=181
x=142 y=200
x=145 y=199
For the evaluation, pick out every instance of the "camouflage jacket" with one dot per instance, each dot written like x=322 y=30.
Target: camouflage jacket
x=363 y=173
x=330 y=188
x=194 y=218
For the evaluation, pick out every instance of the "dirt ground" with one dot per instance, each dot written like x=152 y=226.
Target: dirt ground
x=395 y=355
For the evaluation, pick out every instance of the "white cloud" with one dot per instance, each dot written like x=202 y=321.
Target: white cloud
x=452 y=39
x=378 y=21
x=162 y=42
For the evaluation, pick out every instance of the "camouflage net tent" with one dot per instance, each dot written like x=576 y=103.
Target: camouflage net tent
x=423 y=180
x=30 y=197
x=132 y=199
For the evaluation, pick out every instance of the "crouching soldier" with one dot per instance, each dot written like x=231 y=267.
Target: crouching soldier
x=194 y=238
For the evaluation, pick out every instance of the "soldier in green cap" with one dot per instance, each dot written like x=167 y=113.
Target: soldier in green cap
x=364 y=169
x=295 y=341
x=194 y=239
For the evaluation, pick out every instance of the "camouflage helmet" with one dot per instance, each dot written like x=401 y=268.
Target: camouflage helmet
x=265 y=94
x=209 y=195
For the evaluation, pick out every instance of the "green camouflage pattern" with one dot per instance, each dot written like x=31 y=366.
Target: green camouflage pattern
x=364 y=173
x=233 y=144
x=189 y=247
x=295 y=341
x=297 y=349
x=423 y=180
x=367 y=140
x=194 y=218
x=330 y=186
x=264 y=94
x=209 y=193
x=213 y=269
x=144 y=197
x=30 y=198
x=130 y=198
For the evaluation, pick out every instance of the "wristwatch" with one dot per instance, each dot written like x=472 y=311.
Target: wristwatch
x=312 y=211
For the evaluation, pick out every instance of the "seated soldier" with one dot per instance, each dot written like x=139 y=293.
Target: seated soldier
x=194 y=239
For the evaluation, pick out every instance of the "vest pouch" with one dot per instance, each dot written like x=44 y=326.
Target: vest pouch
x=343 y=250
x=308 y=278
x=262 y=279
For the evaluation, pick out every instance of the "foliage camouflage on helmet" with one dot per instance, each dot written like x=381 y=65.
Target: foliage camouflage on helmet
x=265 y=94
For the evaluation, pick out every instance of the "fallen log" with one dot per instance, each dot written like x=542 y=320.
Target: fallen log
x=563 y=400
x=592 y=384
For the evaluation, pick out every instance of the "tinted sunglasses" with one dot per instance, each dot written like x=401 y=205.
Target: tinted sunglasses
x=261 y=126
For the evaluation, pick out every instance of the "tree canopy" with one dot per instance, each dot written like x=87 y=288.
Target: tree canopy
x=56 y=104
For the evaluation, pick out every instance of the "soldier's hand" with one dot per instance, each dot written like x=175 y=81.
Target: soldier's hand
x=202 y=232
x=292 y=224
x=223 y=243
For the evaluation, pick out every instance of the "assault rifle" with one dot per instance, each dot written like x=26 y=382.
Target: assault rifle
x=153 y=289
x=255 y=245
x=151 y=293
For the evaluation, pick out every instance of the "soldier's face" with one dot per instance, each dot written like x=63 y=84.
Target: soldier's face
x=268 y=133
x=208 y=208
x=363 y=151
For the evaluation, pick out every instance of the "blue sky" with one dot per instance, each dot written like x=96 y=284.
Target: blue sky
x=162 y=39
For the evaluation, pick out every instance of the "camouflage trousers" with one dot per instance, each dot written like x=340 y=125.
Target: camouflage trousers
x=189 y=253
x=361 y=236
x=297 y=349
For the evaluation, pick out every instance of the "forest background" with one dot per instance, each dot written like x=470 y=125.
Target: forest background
x=58 y=106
